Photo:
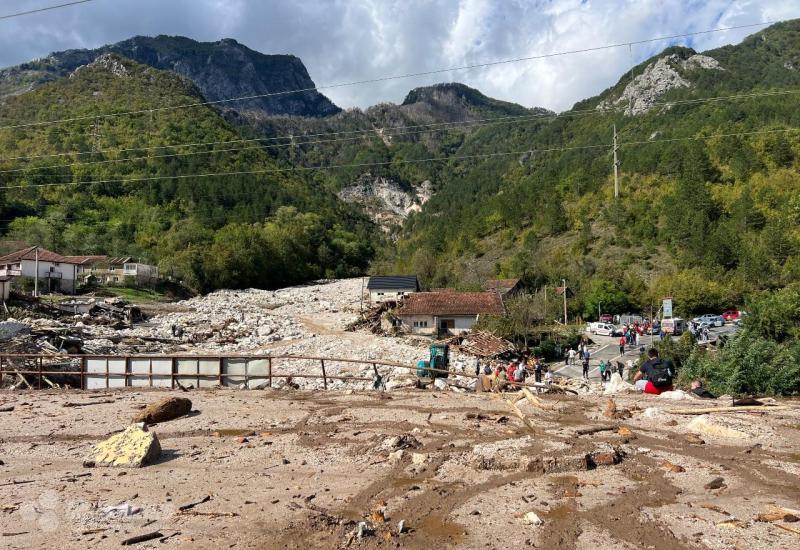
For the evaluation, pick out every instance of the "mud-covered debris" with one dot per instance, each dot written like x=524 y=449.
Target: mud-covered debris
x=163 y=410
x=716 y=483
x=780 y=514
x=401 y=526
x=674 y=468
x=405 y=441
x=604 y=455
x=694 y=439
x=624 y=431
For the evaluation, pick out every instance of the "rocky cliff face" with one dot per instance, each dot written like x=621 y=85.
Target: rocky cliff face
x=386 y=201
x=659 y=77
x=221 y=70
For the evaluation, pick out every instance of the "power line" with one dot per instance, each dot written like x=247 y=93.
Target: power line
x=385 y=78
x=48 y=8
x=308 y=168
x=365 y=134
x=395 y=161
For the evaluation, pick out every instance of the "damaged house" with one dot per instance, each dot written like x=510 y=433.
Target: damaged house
x=391 y=288
x=56 y=273
x=446 y=313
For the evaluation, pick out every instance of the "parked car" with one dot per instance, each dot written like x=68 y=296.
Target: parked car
x=709 y=320
x=606 y=329
x=606 y=318
x=732 y=315
x=675 y=326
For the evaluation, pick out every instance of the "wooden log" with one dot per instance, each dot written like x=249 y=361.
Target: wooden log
x=786 y=528
x=707 y=410
x=596 y=429
x=535 y=401
x=521 y=415
x=99 y=402
x=142 y=538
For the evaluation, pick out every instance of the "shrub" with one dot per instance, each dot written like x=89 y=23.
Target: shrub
x=748 y=364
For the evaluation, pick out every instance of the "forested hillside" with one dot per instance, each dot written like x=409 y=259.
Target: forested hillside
x=269 y=228
x=710 y=199
x=708 y=212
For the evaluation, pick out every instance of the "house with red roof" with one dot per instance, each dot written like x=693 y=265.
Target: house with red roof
x=446 y=313
x=56 y=273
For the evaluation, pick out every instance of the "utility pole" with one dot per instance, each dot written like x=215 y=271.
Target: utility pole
x=96 y=136
x=36 y=279
x=616 y=165
x=564 y=288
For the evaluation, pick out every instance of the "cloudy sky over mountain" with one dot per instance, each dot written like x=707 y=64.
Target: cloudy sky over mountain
x=351 y=40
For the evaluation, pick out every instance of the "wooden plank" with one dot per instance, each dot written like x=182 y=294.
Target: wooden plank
x=764 y=408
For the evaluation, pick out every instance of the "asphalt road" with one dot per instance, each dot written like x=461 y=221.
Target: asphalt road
x=607 y=348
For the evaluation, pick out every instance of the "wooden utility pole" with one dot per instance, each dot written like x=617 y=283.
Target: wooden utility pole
x=564 y=288
x=616 y=165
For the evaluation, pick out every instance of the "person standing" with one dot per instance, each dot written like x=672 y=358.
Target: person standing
x=622 y=345
x=537 y=370
x=602 y=369
x=585 y=363
x=572 y=354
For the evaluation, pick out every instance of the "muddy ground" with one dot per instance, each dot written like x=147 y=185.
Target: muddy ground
x=301 y=469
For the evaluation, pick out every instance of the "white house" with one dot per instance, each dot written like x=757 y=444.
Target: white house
x=447 y=313
x=56 y=273
x=391 y=288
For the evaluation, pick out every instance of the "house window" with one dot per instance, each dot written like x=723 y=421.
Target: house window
x=420 y=324
x=380 y=293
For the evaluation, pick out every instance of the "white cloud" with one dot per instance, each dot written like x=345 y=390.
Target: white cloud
x=350 y=40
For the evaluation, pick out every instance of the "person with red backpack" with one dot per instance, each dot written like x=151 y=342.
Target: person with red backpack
x=655 y=375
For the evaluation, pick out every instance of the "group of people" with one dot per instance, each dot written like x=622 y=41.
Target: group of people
x=701 y=334
x=498 y=374
x=607 y=369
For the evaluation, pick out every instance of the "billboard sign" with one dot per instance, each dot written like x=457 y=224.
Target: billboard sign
x=666 y=308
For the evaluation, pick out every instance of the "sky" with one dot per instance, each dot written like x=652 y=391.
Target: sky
x=351 y=40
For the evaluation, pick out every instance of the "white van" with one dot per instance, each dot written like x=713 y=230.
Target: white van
x=675 y=326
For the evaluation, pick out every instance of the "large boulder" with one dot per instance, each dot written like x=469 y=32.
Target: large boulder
x=163 y=410
x=133 y=448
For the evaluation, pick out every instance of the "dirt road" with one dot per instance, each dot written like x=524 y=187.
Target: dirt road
x=297 y=469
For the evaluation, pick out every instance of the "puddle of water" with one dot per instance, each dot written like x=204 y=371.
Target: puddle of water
x=558 y=512
x=434 y=525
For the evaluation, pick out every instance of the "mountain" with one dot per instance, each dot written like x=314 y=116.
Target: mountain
x=221 y=70
x=432 y=122
x=245 y=220
x=704 y=216
x=466 y=187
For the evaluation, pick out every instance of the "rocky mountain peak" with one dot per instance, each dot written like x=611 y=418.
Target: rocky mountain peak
x=666 y=73
x=221 y=70
x=109 y=62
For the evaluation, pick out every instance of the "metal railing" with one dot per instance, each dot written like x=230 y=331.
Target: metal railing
x=168 y=370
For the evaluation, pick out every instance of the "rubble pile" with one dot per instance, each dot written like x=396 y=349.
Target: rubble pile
x=309 y=320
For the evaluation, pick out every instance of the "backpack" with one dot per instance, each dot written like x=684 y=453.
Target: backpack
x=660 y=373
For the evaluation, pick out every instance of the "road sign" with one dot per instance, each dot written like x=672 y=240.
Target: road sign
x=666 y=306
